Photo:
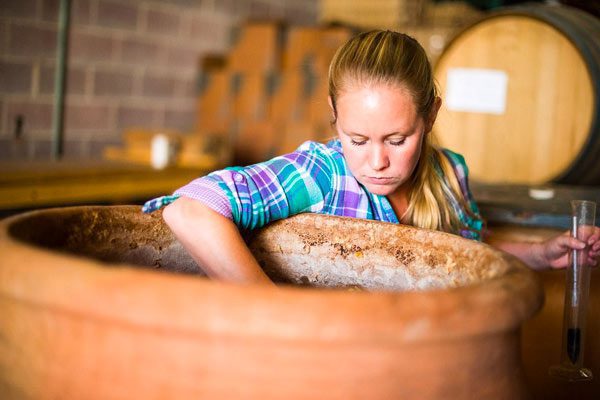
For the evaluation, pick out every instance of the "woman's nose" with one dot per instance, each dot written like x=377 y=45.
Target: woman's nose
x=378 y=158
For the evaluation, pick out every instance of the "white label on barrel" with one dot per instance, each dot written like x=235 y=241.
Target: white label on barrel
x=476 y=90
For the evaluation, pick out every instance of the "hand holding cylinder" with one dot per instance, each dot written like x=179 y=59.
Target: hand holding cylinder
x=576 y=295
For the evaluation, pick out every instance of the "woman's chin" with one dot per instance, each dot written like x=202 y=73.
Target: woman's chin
x=381 y=190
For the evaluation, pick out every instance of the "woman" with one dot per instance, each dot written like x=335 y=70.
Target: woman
x=382 y=166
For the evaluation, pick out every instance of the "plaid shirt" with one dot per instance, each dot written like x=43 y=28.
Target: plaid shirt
x=314 y=178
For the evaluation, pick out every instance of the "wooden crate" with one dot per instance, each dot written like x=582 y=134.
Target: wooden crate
x=257 y=49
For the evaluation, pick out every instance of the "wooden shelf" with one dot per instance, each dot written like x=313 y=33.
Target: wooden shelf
x=41 y=184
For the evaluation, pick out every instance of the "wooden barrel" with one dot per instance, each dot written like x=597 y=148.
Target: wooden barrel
x=521 y=96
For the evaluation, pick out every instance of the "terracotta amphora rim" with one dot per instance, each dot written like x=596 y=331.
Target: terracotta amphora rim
x=146 y=299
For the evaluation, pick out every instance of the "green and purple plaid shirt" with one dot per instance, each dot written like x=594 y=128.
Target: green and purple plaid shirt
x=314 y=178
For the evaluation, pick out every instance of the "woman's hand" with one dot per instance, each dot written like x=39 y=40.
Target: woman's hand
x=554 y=252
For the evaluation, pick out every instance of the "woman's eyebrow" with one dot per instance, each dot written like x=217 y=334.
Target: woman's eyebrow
x=396 y=133
x=355 y=134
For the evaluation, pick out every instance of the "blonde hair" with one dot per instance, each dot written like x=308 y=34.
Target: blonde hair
x=392 y=58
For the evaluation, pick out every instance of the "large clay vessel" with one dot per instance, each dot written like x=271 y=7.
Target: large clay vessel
x=91 y=308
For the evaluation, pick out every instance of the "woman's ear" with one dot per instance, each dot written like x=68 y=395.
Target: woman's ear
x=437 y=103
x=331 y=106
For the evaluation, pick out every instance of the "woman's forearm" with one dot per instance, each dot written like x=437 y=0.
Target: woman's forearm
x=529 y=253
x=552 y=252
x=213 y=241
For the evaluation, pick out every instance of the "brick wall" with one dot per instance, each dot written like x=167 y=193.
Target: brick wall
x=131 y=63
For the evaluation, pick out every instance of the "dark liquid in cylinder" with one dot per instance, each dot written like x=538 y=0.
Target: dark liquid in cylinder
x=573 y=344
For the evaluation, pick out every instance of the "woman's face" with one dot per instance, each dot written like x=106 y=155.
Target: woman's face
x=381 y=135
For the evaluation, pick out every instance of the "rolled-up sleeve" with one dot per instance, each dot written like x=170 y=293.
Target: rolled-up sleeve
x=208 y=192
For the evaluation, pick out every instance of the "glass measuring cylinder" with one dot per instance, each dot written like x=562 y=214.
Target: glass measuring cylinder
x=576 y=297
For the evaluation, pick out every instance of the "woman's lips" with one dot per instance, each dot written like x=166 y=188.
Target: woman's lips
x=374 y=180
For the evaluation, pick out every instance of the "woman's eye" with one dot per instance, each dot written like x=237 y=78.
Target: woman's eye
x=357 y=142
x=398 y=142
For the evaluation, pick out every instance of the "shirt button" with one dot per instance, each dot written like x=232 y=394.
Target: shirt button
x=238 y=178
